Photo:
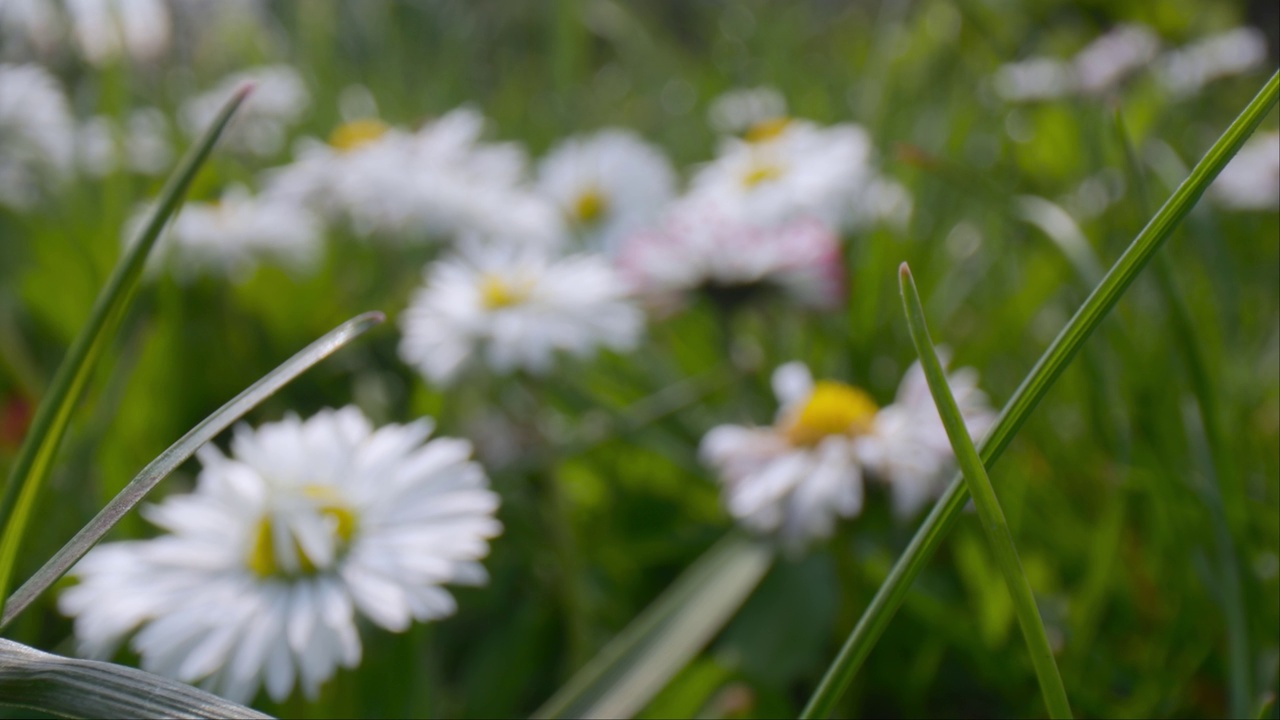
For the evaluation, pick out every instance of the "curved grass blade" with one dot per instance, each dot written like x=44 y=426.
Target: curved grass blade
x=170 y=459
x=1033 y=388
x=988 y=506
x=52 y=417
x=68 y=687
x=635 y=665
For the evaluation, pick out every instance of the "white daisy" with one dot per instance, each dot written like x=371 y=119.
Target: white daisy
x=37 y=134
x=261 y=125
x=787 y=169
x=268 y=562
x=29 y=24
x=1189 y=68
x=793 y=479
x=907 y=446
x=147 y=147
x=108 y=29
x=232 y=235
x=514 y=307
x=1251 y=181
x=700 y=248
x=607 y=184
x=737 y=112
x=1109 y=59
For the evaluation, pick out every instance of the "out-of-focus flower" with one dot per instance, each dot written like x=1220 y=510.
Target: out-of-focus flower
x=267 y=563
x=37 y=134
x=607 y=184
x=29 y=25
x=1251 y=181
x=1106 y=61
x=789 y=169
x=907 y=446
x=1189 y=68
x=438 y=182
x=147 y=146
x=261 y=125
x=514 y=307
x=738 y=111
x=1037 y=78
x=793 y=479
x=699 y=248
x=232 y=235
x=108 y=29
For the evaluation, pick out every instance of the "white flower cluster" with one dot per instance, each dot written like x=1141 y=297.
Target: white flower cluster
x=1110 y=59
x=794 y=478
x=265 y=566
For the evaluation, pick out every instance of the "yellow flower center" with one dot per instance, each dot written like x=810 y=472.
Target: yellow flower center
x=342 y=522
x=497 y=292
x=766 y=129
x=833 y=409
x=349 y=136
x=761 y=172
x=590 y=206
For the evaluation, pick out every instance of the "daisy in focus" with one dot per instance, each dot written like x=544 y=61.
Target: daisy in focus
x=514 y=307
x=699 y=248
x=268 y=562
x=607 y=184
x=795 y=478
x=231 y=236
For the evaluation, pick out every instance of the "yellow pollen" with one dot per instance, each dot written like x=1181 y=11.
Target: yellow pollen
x=262 y=558
x=766 y=129
x=589 y=206
x=833 y=409
x=351 y=135
x=498 y=292
x=761 y=173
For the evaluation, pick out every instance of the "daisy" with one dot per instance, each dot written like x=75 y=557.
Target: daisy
x=266 y=565
x=607 y=184
x=232 y=235
x=37 y=134
x=147 y=148
x=787 y=169
x=700 y=248
x=514 y=307
x=1251 y=181
x=107 y=29
x=1189 y=68
x=796 y=477
x=262 y=123
x=748 y=111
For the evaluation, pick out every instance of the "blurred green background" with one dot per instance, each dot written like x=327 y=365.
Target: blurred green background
x=1133 y=537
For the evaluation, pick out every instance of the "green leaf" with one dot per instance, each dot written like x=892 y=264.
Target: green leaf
x=988 y=506
x=635 y=665
x=1024 y=400
x=62 y=686
x=170 y=459
x=36 y=455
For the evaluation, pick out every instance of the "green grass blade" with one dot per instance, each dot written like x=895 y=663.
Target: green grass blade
x=170 y=459
x=988 y=506
x=68 y=687
x=635 y=665
x=54 y=413
x=1033 y=388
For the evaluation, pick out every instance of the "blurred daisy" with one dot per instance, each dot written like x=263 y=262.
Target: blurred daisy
x=261 y=125
x=701 y=249
x=147 y=145
x=232 y=235
x=37 y=134
x=793 y=479
x=1189 y=68
x=789 y=169
x=1109 y=59
x=607 y=184
x=266 y=565
x=750 y=111
x=514 y=307
x=107 y=29
x=1251 y=181
x=29 y=25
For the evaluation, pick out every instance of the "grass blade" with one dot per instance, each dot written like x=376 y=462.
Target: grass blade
x=1033 y=388
x=635 y=665
x=178 y=453
x=984 y=499
x=54 y=414
x=68 y=687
